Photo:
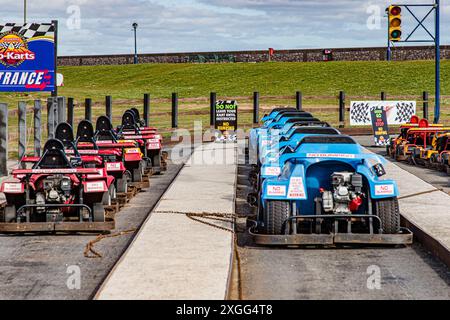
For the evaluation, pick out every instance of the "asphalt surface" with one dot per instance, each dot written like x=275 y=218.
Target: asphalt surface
x=337 y=273
x=47 y=266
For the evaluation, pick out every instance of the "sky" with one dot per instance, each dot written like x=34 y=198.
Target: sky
x=90 y=27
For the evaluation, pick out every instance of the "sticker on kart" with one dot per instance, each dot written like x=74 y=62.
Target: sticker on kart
x=331 y=155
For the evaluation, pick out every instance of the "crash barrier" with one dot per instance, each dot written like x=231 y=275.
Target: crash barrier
x=80 y=181
x=313 y=185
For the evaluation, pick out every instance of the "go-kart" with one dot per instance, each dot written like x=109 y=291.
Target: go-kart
x=56 y=194
x=329 y=191
x=150 y=143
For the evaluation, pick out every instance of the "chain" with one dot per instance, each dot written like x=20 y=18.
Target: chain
x=89 y=251
x=420 y=193
x=216 y=216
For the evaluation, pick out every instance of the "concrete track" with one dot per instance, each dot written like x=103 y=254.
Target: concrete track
x=39 y=266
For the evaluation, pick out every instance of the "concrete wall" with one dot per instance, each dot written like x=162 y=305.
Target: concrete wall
x=310 y=55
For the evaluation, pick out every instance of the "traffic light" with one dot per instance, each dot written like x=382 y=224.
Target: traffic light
x=395 y=23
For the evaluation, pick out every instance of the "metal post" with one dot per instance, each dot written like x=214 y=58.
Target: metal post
x=437 y=107
x=298 y=100
x=341 y=109
x=22 y=129
x=174 y=110
x=383 y=96
x=24 y=11
x=37 y=127
x=70 y=106
x=425 y=104
x=147 y=109
x=51 y=107
x=255 y=107
x=135 y=25
x=389 y=52
x=55 y=25
x=62 y=115
x=88 y=109
x=108 y=107
x=3 y=139
x=212 y=108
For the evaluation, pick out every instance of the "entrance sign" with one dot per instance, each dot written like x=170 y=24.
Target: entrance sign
x=380 y=126
x=397 y=112
x=27 y=57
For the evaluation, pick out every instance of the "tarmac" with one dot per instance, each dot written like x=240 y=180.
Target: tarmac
x=177 y=257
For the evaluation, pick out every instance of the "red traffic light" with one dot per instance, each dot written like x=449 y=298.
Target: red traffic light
x=395 y=11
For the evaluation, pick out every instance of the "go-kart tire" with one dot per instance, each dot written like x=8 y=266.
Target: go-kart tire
x=389 y=213
x=156 y=163
x=8 y=214
x=98 y=212
x=122 y=185
x=275 y=215
x=109 y=196
x=137 y=175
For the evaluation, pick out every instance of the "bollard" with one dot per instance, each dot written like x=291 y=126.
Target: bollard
x=37 y=127
x=212 y=108
x=51 y=107
x=88 y=109
x=70 y=106
x=425 y=104
x=3 y=139
x=383 y=96
x=174 y=110
x=298 y=101
x=108 y=107
x=341 y=109
x=22 y=129
x=62 y=115
x=255 y=107
x=147 y=109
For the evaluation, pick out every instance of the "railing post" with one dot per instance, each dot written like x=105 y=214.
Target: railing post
x=22 y=129
x=425 y=104
x=147 y=109
x=70 y=106
x=88 y=109
x=212 y=108
x=341 y=109
x=51 y=117
x=3 y=139
x=383 y=96
x=62 y=115
x=174 y=110
x=37 y=127
x=255 y=107
x=108 y=107
x=298 y=101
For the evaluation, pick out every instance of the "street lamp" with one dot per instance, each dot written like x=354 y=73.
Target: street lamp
x=24 y=11
x=135 y=25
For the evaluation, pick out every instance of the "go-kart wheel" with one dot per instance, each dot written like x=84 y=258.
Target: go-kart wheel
x=389 y=213
x=106 y=200
x=276 y=214
x=98 y=212
x=122 y=185
x=8 y=214
x=137 y=175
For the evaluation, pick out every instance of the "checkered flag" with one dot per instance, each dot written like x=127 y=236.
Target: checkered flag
x=29 y=30
x=360 y=114
x=404 y=112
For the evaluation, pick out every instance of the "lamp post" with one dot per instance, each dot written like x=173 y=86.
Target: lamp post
x=135 y=25
x=24 y=11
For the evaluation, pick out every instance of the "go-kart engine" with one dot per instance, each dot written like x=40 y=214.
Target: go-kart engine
x=55 y=190
x=346 y=196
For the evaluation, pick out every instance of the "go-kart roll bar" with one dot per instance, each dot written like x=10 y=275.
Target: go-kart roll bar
x=51 y=205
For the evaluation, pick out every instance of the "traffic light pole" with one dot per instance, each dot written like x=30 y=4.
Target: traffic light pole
x=437 y=105
x=433 y=39
x=388 y=54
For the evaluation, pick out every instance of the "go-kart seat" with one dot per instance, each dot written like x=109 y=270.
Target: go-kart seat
x=104 y=129
x=129 y=120
x=64 y=133
x=312 y=130
x=53 y=157
x=137 y=116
